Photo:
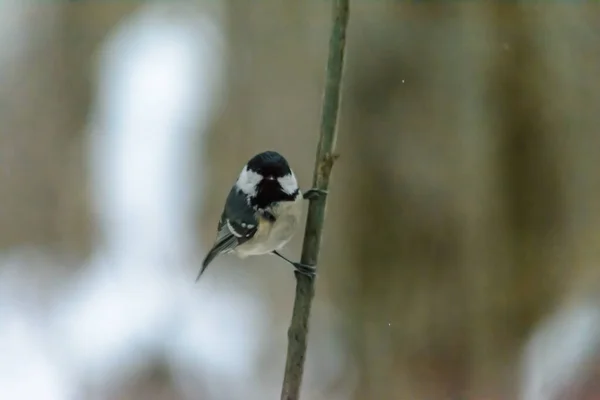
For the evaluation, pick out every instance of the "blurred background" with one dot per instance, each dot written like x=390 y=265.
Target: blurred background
x=461 y=250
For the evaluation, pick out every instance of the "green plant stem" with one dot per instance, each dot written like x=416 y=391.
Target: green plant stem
x=305 y=289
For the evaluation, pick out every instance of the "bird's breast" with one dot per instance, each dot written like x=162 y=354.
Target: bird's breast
x=274 y=235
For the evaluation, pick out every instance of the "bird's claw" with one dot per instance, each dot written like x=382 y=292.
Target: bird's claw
x=307 y=270
x=314 y=193
x=299 y=268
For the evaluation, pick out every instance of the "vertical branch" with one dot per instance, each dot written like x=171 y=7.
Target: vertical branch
x=305 y=289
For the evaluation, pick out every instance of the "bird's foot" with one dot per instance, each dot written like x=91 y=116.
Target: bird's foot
x=299 y=268
x=314 y=193
x=306 y=270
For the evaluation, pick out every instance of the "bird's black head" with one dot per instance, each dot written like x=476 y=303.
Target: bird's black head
x=269 y=164
x=267 y=178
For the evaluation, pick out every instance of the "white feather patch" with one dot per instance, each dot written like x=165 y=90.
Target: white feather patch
x=288 y=183
x=233 y=231
x=248 y=181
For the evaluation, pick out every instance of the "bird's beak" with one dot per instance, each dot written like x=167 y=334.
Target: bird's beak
x=270 y=178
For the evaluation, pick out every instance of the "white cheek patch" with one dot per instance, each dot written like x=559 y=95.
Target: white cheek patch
x=288 y=183
x=248 y=181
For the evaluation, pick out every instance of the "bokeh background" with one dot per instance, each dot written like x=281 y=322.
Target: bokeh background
x=461 y=251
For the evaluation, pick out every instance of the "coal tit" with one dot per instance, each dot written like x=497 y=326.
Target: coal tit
x=262 y=211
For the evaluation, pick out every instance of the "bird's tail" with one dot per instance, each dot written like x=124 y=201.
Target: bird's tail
x=223 y=246
x=207 y=260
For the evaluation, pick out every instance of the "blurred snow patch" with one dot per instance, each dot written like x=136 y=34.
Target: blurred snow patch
x=557 y=355
x=28 y=369
x=159 y=87
x=160 y=83
x=218 y=347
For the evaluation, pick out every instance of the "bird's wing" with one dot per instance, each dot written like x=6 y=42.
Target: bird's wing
x=237 y=225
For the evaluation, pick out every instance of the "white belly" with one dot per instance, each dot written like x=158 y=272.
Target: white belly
x=273 y=236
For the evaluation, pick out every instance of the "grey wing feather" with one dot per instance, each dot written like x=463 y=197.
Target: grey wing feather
x=237 y=225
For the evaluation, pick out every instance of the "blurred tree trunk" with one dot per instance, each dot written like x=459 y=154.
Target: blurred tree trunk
x=472 y=133
x=36 y=132
x=45 y=100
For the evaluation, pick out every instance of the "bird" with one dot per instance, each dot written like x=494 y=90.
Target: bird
x=262 y=212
